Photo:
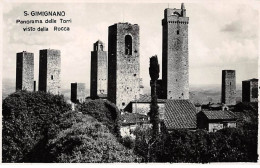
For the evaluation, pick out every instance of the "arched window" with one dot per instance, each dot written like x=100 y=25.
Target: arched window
x=101 y=47
x=128 y=45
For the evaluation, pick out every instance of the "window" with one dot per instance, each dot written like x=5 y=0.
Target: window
x=178 y=32
x=101 y=47
x=128 y=45
x=51 y=77
x=123 y=104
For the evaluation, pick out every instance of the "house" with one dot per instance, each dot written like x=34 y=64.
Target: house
x=142 y=105
x=216 y=120
x=174 y=114
x=130 y=121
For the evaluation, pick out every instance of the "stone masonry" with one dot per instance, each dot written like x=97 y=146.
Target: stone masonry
x=228 y=91
x=175 y=54
x=78 y=92
x=24 y=71
x=49 y=71
x=123 y=64
x=250 y=90
x=98 y=86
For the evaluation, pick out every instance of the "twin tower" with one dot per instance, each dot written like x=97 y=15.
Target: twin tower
x=121 y=82
x=49 y=71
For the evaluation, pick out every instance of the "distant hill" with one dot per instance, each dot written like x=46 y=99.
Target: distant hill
x=8 y=87
x=198 y=93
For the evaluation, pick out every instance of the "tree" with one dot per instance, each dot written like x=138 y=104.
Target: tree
x=154 y=113
x=27 y=116
x=86 y=140
x=105 y=112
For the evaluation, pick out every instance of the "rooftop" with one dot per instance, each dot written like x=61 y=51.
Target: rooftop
x=180 y=114
x=147 y=99
x=219 y=115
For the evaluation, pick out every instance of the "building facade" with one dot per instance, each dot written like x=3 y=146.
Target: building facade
x=123 y=64
x=49 y=71
x=250 y=90
x=98 y=85
x=24 y=71
x=78 y=92
x=175 y=54
x=228 y=89
x=216 y=120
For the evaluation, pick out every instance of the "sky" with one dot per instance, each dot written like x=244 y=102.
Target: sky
x=221 y=36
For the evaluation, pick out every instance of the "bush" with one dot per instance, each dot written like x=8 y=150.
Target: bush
x=200 y=146
x=26 y=118
x=105 y=112
x=87 y=140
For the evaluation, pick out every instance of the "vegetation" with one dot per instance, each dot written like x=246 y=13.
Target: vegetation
x=87 y=140
x=154 y=70
x=105 y=112
x=39 y=127
x=200 y=146
x=27 y=116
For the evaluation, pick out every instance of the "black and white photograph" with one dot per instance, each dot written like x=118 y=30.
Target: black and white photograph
x=129 y=82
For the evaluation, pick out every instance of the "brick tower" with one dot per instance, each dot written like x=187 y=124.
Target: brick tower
x=250 y=90
x=24 y=71
x=228 y=91
x=98 y=77
x=78 y=92
x=49 y=71
x=123 y=64
x=175 y=54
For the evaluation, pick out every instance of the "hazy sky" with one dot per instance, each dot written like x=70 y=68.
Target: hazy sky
x=221 y=36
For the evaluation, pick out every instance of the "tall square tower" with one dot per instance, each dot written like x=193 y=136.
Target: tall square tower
x=250 y=90
x=98 y=75
x=49 y=71
x=123 y=64
x=228 y=91
x=24 y=71
x=175 y=54
x=78 y=92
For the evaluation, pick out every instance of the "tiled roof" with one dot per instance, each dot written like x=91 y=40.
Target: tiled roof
x=180 y=114
x=147 y=99
x=253 y=79
x=132 y=118
x=220 y=115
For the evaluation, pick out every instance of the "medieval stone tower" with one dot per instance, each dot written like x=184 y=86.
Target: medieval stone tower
x=175 y=54
x=98 y=77
x=24 y=71
x=78 y=92
x=228 y=91
x=123 y=64
x=49 y=71
x=250 y=90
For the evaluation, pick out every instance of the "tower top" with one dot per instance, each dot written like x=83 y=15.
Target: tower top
x=171 y=12
x=99 y=46
x=182 y=6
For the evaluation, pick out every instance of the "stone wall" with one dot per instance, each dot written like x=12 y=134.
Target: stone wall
x=78 y=92
x=175 y=60
x=98 y=70
x=250 y=90
x=144 y=108
x=123 y=64
x=50 y=69
x=228 y=95
x=24 y=71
